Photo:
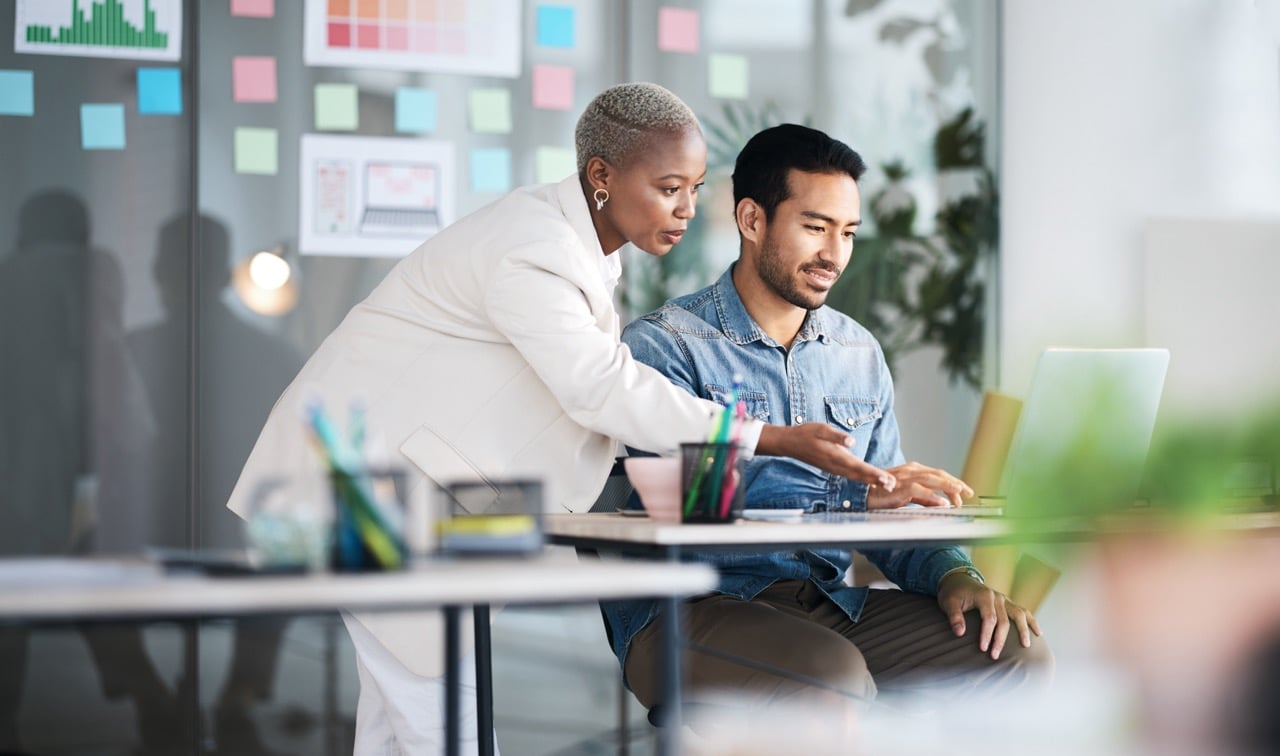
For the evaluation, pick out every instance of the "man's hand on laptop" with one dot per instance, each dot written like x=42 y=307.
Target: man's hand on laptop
x=824 y=447
x=920 y=484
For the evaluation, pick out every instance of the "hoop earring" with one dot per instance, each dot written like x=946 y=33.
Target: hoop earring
x=599 y=199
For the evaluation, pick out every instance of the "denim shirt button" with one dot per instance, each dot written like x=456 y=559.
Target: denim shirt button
x=799 y=419
x=846 y=504
x=851 y=421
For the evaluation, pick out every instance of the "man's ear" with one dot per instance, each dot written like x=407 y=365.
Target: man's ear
x=599 y=172
x=750 y=219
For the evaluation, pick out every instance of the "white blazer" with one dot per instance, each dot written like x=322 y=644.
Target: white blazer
x=491 y=351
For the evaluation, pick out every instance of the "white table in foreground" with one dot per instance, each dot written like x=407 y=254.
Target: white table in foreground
x=65 y=590
x=60 y=591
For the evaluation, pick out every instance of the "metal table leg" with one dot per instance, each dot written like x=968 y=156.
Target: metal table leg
x=669 y=732
x=484 y=680
x=452 y=667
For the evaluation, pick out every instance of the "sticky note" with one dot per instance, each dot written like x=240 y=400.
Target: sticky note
x=253 y=78
x=160 y=91
x=490 y=111
x=553 y=87
x=491 y=169
x=678 y=30
x=415 y=110
x=554 y=164
x=554 y=26
x=337 y=107
x=254 y=8
x=256 y=151
x=17 y=93
x=102 y=126
x=727 y=76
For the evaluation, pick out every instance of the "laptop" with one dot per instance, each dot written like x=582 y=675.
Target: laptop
x=401 y=200
x=1084 y=431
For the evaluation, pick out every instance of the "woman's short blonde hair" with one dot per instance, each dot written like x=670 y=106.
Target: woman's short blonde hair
x=621 y=120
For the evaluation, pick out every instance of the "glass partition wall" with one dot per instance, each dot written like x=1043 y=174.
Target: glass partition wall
x=138 y=360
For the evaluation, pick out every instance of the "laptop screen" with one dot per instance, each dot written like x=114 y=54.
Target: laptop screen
x=1084 y=430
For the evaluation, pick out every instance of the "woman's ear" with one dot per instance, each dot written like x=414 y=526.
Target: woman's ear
x=750 y=219
x=598 y=172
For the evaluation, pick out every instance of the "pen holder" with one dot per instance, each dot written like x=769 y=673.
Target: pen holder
x=712 y=482
x=368 y=520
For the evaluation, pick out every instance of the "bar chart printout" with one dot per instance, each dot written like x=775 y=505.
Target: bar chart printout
x=133 y=29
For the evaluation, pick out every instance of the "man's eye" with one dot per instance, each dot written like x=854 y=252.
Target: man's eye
x=816 y=229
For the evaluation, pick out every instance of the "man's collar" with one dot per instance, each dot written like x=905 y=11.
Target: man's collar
x=741 y=328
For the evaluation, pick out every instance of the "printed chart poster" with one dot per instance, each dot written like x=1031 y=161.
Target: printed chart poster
x=134 y=29
x=373 y=196
x=476 y=37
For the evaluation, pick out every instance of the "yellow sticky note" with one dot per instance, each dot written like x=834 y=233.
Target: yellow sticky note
x=490 y=111
x=727 y=76
x=256 y=151
x=337 y=107
x=553 y=164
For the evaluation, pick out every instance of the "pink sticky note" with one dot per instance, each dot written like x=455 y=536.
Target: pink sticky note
x=553 y=87
x=253 y=79
x=254 y=8
x=678 y=30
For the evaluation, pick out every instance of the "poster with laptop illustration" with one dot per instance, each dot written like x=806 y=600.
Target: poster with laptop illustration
x=372 y=196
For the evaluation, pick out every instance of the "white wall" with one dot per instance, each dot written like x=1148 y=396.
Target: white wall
x=1115 y=113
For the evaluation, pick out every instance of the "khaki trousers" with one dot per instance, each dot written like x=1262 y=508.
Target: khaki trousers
x=791 y=644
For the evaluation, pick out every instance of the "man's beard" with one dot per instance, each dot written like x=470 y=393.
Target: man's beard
x=784 y=282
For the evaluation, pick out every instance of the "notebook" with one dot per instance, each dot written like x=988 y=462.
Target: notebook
x=1084 y=430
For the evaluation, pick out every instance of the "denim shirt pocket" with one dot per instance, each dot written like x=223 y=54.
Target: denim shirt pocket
x=757 y=403
x=855 y=416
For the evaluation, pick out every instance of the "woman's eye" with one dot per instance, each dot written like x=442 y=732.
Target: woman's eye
x=671 y=189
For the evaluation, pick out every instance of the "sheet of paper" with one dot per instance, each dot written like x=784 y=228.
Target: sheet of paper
x=554 y=26
x=727 y=76
x=102 y=126
x=677 y=30
x=415 y=110
x=256 y=151
x=253 y=8
x=337 y=107
x=490 y=110
x=160 y=91
x=553 y=87
x=17 y=93
x=554 y=164
x=491 y=169
x=253 y=78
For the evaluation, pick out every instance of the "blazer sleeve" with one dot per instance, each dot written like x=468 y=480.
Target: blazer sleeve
x=548 y=318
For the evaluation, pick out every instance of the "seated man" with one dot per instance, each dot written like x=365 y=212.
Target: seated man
x=784 y=627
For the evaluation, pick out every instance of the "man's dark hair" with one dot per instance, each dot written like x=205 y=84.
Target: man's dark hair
x=762 y=167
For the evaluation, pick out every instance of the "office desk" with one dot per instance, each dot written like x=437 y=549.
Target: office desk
x=61 y=591
x=612 y=532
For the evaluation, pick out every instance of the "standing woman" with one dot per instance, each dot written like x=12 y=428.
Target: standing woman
x=492 y=351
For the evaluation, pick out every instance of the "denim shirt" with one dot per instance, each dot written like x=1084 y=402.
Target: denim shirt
x=835 y=373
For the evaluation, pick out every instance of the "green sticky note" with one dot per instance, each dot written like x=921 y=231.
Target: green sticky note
x=256 y=151
x=553 y=164
x=337 y=107
x=490 y=111
x=727 y=76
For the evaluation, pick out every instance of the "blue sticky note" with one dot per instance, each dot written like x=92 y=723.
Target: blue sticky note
x=491 y=169
x=415 y=110
x=160 y=91
x=17 y=93
x=555 y=26
x=102 y=126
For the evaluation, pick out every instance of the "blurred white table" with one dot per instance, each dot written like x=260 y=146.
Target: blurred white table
x=61 y=591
